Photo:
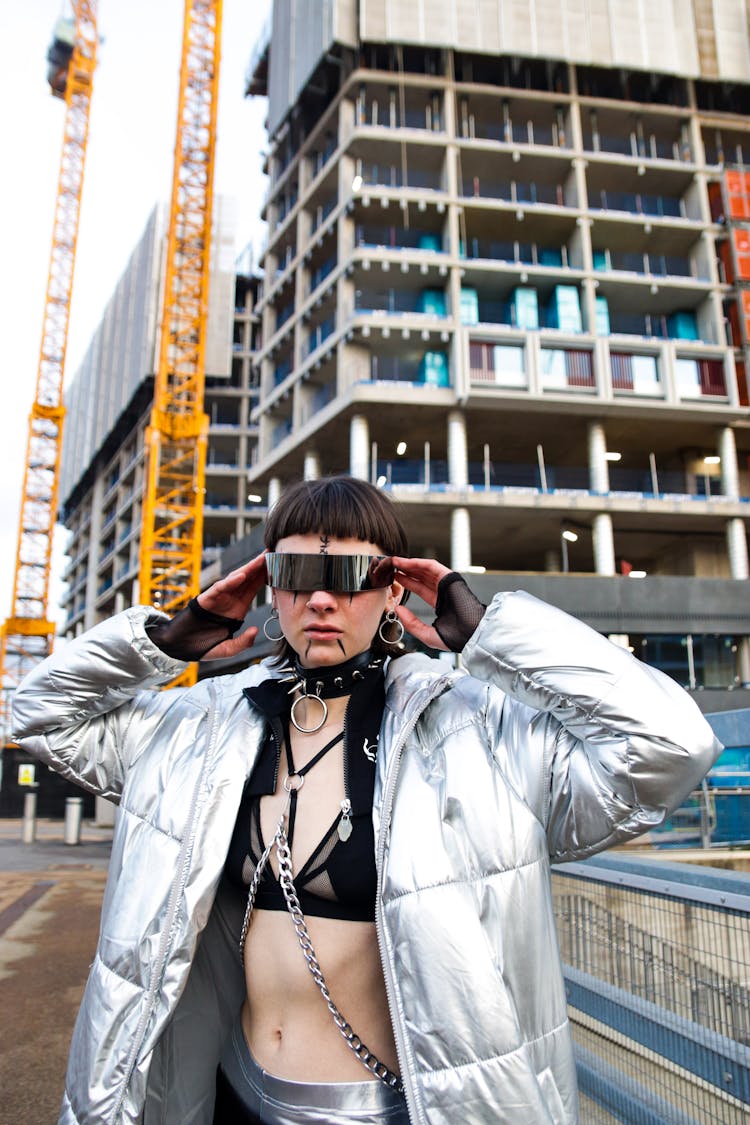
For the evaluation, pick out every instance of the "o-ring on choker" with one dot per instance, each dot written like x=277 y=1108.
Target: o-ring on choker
x=319 y=684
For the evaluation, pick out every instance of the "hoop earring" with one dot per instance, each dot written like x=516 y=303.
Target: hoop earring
x=391 y=618
x=274 y=617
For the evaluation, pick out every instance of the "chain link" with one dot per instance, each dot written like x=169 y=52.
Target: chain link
x=286 y=881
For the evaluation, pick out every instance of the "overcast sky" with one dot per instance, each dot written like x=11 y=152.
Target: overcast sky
x=128 y=170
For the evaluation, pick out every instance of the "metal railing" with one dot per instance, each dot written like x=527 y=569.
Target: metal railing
x=655 y=959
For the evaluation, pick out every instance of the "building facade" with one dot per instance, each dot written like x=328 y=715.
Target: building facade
x=109 y=404
x=503 y=280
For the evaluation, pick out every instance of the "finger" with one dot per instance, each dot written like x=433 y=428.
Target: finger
x=425 y=589
x=429 y=571
x=239 y=585
x=249 y=572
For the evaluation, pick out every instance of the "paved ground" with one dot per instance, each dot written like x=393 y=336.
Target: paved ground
x=50 y=895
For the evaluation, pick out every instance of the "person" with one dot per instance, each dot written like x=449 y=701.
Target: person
x=369 y=824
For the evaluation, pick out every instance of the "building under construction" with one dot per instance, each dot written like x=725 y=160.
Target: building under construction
x=507 y=277
x=108 y=405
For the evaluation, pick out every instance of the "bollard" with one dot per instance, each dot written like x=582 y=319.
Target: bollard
x=28 y=827
x=73 y=811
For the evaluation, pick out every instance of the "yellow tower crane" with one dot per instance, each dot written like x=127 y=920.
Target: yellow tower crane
x=172 y=520
x=27 y=634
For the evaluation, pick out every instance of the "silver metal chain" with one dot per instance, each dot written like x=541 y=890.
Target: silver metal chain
x=286 y=881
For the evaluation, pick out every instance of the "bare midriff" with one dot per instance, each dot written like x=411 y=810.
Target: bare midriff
x=287 y=1024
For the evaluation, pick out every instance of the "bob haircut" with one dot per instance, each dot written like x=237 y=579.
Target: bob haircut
x=341 y=507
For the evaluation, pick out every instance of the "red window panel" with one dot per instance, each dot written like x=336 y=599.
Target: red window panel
x=742 y=390
x=622 y=371
x=711 y=373
x=579 y=368
x=481 y=362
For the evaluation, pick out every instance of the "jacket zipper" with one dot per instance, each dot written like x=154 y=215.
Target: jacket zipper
x=178 y=887
x=398 y=1036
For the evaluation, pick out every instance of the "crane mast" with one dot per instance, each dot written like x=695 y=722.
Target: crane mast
x=176 y=437
x=28 y=634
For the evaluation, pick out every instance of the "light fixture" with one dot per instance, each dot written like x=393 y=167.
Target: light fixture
x=611 y=456
x=571 y=536
x=637 y=574
x=254 y=498
x=401 y=448
x=381 y=481
x=356 y=183
x=712 y=459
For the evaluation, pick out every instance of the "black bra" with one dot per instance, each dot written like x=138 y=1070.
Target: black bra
x=339 y=878
x=337 y=881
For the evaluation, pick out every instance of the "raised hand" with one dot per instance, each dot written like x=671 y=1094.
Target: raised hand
x=207 y=628
x=232 y=597
x=458 y=612
x=422 y=577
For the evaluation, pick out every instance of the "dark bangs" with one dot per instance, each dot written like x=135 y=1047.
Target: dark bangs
x=341 y=507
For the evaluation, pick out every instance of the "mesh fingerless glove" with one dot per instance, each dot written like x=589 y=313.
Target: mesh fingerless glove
x=458 y=611
x=192 y=632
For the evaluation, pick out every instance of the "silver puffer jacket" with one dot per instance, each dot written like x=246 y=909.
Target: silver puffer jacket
x=556 y=744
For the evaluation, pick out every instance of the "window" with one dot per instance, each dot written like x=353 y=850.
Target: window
x=509 y=365
x=699 y=377
x=501 y=364
x=636 y=373
x=565 y=367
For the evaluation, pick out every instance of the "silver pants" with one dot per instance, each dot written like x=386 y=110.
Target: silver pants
x=277 y=1101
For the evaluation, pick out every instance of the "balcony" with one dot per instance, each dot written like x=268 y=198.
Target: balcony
x=398 y=302
x=637 y=203
x=656 y=265
x=318 y=335
x=518 y=253
x=377 y=237
x=392 y=176
x=282 y=370
x=514 y=191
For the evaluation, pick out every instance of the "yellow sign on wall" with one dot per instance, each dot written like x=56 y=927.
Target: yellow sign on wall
x=26 y=774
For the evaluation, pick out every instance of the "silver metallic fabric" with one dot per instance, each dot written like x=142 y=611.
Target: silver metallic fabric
x=346 y=574
x=549 y=745
x=277 y=1101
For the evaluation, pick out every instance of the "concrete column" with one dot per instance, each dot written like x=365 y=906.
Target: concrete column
x=311 y=469
x=359 y=447
x=458 y=461
x=552 y=562
x=95 y=548
x=598 y=467
x=737 y=549
x=460 y=539
x=743 y=661
x=604 y=544
x=274 y=491
x=730 y=481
